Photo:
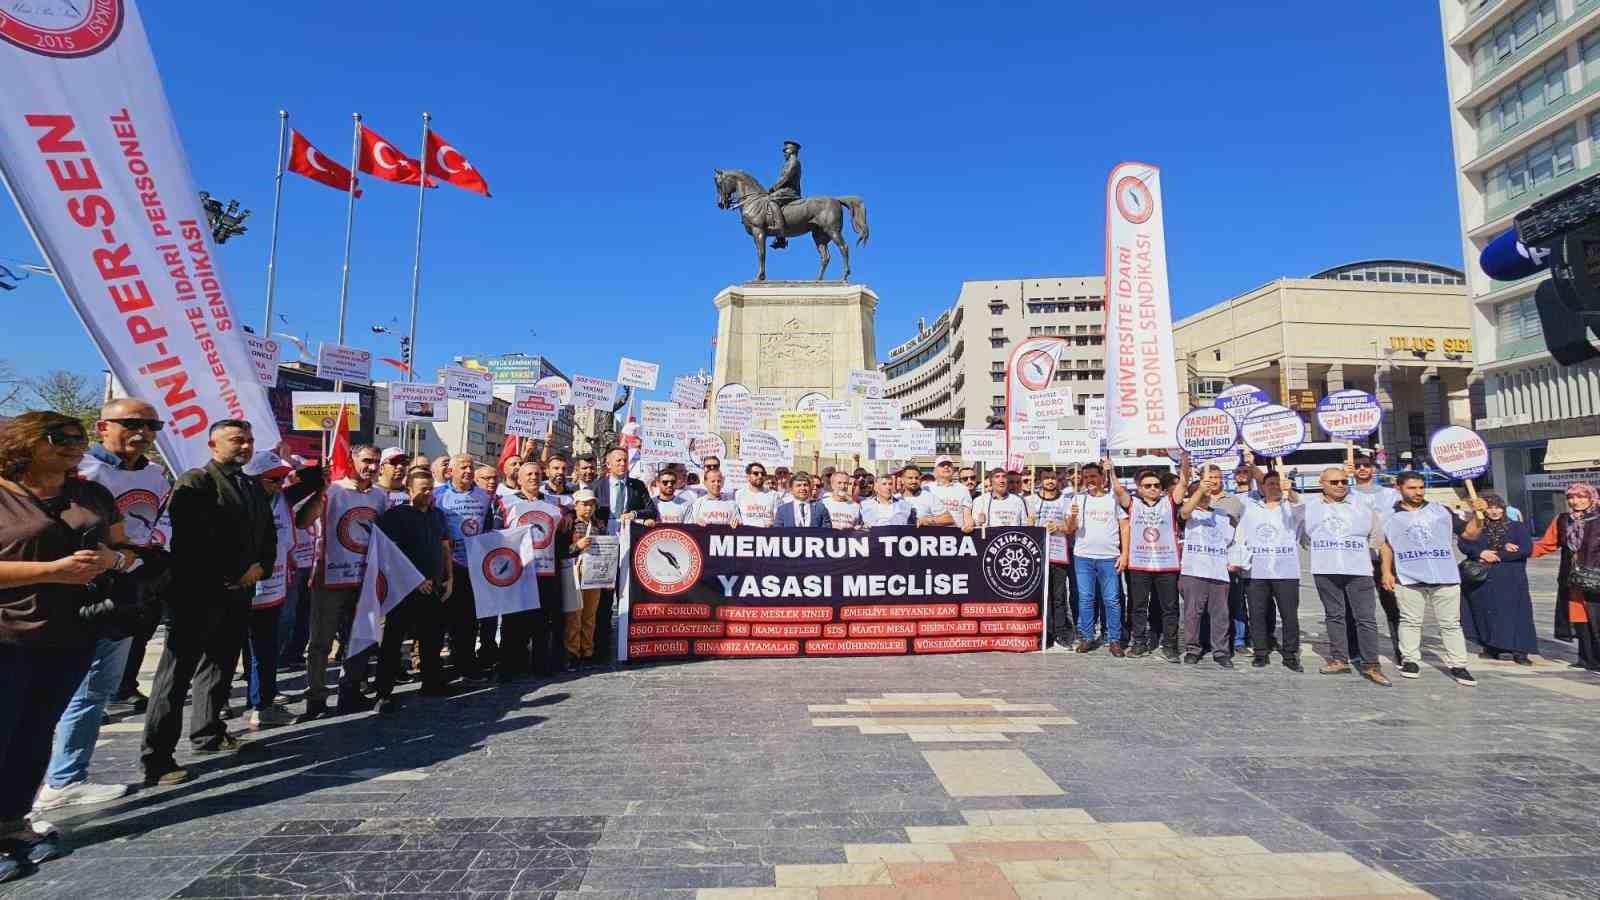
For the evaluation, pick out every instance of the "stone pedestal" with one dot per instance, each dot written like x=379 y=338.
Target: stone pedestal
x=794 y=337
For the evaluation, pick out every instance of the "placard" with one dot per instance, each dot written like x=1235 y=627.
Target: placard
x=847 y=441
x=866 y=383
x=264 y=358
x=763 y=447
x=1075 y=447
x=799 y=426
x=1459 y=452
x=708 y=444
x=766 y=406
x=338 y=362
x=593 y=393
x=417 y=402
x=661 y=446
x=1273 y=430
x=733 y=476
x=885 y=446
x=835 y=413
x=918 y=441
x=1240 y=399
x=1349 y=415
x=561 y=386
x=1094 y=414
x=983 y=445
x=471 y=385
x=733 y=392
x=808 y=402
x=597 y=565
x=734 y=416
x=1033 y=437
x=637 y=373
x=533 y=410
x=319 y=410
x=878 y=414
x=655 y=414
x=688 y=421
x=1207 y=433
x=689 y=392
x=1050 y=405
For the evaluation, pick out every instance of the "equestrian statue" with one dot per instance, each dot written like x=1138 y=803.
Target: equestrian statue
x=781 y=211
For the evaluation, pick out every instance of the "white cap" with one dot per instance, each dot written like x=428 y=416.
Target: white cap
x=942 y=460
x=265 y=462
x=583 y=495
x=391 y=453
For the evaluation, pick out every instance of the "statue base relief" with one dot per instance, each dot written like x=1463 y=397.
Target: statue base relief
x=794 y=338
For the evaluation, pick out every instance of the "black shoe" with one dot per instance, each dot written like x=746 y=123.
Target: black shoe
x=1292 y=663
x=315 y=709
x=165 y=773
x=386 y=705
x=1138 y=650
x=1115 y=648
x=1224 y=660
x=1409 y=669
x=1170 y=655
x=226 y=744
x=1463 y=677
x=1193 y=659
x=435 y=690
x=1259 y=661
x=135 y=700
x=349 y=706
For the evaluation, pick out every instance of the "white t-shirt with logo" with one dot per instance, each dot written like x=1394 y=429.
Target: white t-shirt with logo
x=842 y=514
x=876 y=514
x=945 y=498
x=1098 y=535
x=1054 y=512
x=1008 y=510
x=756 y=508
x=676 y=509
x=709 y=510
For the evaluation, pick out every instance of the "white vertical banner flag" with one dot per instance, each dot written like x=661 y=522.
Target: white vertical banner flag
x=1141 y=371
x=1030 y=372
x=504 y=572
x=389 y=579
x=90 y=154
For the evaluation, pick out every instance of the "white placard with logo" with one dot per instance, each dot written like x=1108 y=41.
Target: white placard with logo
x=471 y=385
x=1207 y=433
x=264 y=357
x=533 y=410
x=561 y=386
x=846 y=441
x=885 y=446
x=1094 y=415
x=660 y=446
x=983 y=445
x=689 y=392
x=1032 y=438
x=835 y=413
x=705 y=445
x=764 y=447
x=417 y=402
x=766 y=406
x=1459 y=452
x=733 y=392
x=687 y=421
x=1075 y=447
x=1050 y=405
x=866 y=383
x=808 y=402
x=918 y=441
x=637 y=373
x=734 y=416
x=880 y=414
x=593 y=393
x=1273 y=430
x=597 y=565
x=338 y=362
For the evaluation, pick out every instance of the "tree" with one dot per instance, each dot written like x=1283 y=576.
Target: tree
x=67 y=393
x=10 y=385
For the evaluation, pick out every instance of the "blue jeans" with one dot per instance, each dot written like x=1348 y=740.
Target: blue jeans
x=294 y=626
x=1098 y=579
x=261 y=650
x=79 y=727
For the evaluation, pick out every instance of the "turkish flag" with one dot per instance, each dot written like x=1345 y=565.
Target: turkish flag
x=446 y=162
x=380 y=158
x=340 y=464
x=307 y=160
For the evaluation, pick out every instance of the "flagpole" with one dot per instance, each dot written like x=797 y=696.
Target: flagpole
x=416 y=262
x=277 y=203
x=349 y=223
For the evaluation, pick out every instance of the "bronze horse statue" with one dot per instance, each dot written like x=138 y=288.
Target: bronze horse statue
x=823 y=217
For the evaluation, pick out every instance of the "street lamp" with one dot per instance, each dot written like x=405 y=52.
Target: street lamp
x=225 y=222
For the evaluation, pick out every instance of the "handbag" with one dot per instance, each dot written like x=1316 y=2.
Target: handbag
x=1584 y=578
x=1473 y=572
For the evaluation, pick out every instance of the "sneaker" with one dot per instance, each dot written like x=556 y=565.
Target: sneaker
x=169 y=774
x=1463 y=677
x=1335 y=667
x=84 y=793
x=226 y=744
x=268 y=717
x=1192 y=659
x=1292 y=663
x=9 y=869
x=1409 y=669
x=1170 y=655
x=1259 y=661
x=1224 y=660
x=33 y=843
x=386 y=705
x=1376 y=676
x=1116 y=649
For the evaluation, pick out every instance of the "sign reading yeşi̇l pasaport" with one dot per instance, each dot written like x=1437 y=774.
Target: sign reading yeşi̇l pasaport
x=715 y=591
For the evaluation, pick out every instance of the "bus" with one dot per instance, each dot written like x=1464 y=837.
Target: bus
x=1304 y=466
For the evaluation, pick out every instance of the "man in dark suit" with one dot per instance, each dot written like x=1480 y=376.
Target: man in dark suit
x=620 y=499
x=804 y=511
x=223 y=541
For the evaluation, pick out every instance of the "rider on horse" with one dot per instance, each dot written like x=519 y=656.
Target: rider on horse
x=783 y=191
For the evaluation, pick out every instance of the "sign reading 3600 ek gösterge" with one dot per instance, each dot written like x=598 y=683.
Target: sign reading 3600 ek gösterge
x=715 y=591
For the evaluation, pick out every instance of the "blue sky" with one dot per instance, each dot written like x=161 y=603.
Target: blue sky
x=1293 y=137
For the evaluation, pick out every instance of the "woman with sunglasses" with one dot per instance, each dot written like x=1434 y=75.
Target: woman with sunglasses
x=56 y=535
x=1576 y=535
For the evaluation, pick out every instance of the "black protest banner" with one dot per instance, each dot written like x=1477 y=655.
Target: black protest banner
x=716 y=591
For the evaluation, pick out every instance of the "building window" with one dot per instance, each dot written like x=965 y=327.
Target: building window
x=997 y=366
x=1516 y=321
x=997 y=332
x=997 y=377
x=997 y=306
x=997 y=343
x=1549 y=159
x=1529 y=98
x=1035 y=330
x=1528 y=22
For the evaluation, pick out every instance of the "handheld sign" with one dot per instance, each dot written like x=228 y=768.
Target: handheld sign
x=1459 y=452
x=561 y=386
x=1241 y=399
x=471 y=385
x=1273 y=430
x=637 y=373
x=1349 y=415
x=1207 y=433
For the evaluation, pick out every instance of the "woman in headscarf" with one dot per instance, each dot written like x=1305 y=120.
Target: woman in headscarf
x=1576 y=535
x=1498 y=613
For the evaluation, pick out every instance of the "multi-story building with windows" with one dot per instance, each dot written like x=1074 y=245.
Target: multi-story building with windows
x=950 y=375
x=1524 y=87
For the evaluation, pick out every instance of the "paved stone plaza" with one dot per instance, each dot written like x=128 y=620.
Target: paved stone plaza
x=966 y=776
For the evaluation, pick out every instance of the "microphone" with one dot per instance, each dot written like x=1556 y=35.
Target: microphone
x=1506 y=258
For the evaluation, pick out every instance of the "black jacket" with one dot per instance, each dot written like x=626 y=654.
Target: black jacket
x=636 y=498
x=215 y=535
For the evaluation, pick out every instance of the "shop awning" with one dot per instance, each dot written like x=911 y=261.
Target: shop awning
x=1566 y=454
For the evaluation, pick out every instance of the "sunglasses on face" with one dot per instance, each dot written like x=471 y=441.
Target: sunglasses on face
x=140 y=424
x=969 y=478
x=1151 y=484
x=1338 y=481
x=67 y=439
